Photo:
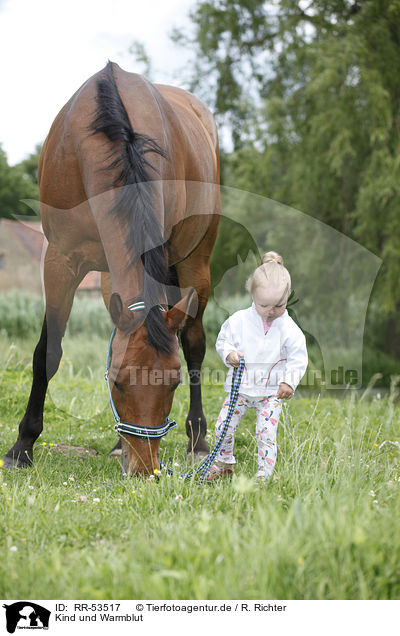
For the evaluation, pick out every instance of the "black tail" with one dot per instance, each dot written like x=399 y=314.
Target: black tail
x=134 y=206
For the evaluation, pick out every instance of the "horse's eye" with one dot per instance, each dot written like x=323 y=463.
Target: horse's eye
x=118 y=386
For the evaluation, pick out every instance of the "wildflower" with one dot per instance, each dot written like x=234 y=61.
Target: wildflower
x=65 y=483
x=375 y=501
x=156 y=471
x=81 y=498
x=300 y=560
x=96 y=500
x=178 y=497
x=176 y=464
x=51 y=444
x=13 y=548
x=371 y=492
x=1 y=463
x=43 y=443
x=120 y=501
x=30 y=487
x=71 y=478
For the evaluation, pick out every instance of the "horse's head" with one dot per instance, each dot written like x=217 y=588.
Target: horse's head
x=143 y=376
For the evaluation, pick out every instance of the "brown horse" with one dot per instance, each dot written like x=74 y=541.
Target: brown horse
x=128 y=180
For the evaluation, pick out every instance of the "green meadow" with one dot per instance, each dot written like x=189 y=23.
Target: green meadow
x=325 y=527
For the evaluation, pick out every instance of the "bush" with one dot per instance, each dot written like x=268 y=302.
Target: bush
x=21 y=316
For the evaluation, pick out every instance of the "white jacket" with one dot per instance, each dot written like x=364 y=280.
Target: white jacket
x=278 y=356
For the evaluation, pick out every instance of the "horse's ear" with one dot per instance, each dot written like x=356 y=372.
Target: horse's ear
x=121 y=316
x=177 y=315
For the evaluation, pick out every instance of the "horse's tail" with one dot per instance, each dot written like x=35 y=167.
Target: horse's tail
x=135 y=205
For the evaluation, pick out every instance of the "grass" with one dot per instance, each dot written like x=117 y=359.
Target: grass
x=326 y=526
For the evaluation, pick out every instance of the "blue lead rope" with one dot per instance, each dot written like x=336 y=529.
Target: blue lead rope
x=205 y=466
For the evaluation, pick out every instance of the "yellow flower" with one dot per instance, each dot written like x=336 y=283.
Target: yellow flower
x=43 y=443
x=1 y=463
x=133 y=492
x=51 y=444
x=156 y=471
x=300 y=561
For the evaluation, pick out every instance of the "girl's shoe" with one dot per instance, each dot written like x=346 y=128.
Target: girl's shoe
x=220 y=469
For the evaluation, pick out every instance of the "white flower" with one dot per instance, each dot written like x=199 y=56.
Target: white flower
x=71 y=478
x=13 y=548
x=96 y=500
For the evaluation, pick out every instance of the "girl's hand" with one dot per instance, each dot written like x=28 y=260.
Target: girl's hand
x=285 y=391
x=234 y=358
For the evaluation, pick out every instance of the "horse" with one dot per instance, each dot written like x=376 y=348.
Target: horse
x=129 y=186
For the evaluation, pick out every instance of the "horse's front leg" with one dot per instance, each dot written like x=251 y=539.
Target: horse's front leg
x=60 y=285
x=194 y=348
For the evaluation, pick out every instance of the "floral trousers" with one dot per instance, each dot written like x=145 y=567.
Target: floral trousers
x=268 y=410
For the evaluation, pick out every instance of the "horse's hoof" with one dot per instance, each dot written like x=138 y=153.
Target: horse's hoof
x=10 y=463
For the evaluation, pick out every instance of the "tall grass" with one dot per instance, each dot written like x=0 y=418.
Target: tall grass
x=325 y=526
x=21 y=317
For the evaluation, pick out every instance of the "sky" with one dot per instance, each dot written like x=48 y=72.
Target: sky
x=48 y=48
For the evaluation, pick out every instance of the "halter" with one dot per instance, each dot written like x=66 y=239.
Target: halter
x=135 y=430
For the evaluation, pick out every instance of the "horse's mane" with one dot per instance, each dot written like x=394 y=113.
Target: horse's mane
x=134 y=206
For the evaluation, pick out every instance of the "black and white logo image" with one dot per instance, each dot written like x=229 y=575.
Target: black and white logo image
x=26 y=615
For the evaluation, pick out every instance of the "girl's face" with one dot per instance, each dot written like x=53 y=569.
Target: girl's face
x=270 y=304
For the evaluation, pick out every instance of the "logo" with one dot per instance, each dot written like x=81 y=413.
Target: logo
x=26 y=615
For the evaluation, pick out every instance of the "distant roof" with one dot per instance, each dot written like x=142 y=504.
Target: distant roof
x=30 y=234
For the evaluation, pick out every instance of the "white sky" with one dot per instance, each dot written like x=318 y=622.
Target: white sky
x=48 y=48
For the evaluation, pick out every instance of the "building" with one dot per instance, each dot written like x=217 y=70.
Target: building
x=22 y=248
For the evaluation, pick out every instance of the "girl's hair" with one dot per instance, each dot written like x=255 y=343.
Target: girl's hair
x=271 y=273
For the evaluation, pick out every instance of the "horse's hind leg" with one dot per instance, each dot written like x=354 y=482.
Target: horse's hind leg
x=60 y=285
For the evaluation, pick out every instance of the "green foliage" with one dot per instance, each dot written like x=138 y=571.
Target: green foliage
x=30 y=164
x=21 y=316
x=322 y=131
x=15 y=184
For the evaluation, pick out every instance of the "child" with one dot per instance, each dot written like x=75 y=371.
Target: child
x=275 y=355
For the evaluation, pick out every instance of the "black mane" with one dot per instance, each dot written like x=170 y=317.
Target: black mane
x=134 y=206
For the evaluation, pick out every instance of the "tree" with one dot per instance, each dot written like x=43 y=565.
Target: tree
x=322 y=129
x=29 y=166
x=15 y=185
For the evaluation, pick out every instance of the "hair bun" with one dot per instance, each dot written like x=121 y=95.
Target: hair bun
x=272 y=257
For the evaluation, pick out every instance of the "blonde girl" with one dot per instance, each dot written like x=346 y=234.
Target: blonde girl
x=275 y=355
